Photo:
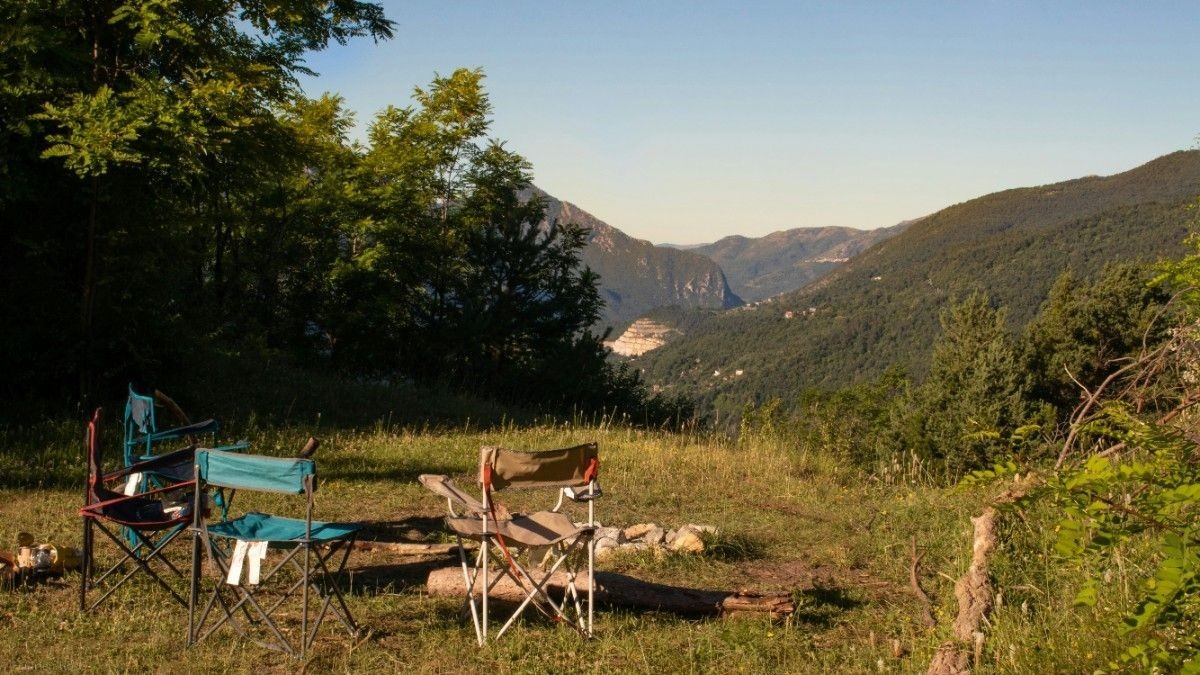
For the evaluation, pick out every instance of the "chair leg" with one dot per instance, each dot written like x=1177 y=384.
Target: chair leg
x=483 y=544
x=131 y=555
x=85 y=565
x=193 y=587
x=347 y=618
x=304 y=602
x=328 y=591
x=316 y=569
x=245 y=601
x=469 y=584
x=591 y=580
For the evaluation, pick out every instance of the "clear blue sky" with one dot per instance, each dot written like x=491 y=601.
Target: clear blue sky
x=684 y=122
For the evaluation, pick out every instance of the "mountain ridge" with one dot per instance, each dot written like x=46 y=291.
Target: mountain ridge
x=786 y=260
x=635 y=275
x=881 y=307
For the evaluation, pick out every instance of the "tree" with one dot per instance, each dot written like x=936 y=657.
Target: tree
x=524 y=292
x=480 y=292
x=127 y=122
x=976 y=395
x=1084 y=331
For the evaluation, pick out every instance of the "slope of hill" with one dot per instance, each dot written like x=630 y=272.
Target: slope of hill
x=881 y=307
x=761 y=267
x=637 y=276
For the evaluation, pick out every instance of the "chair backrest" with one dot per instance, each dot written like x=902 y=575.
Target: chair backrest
x=573 y=467
x=256 y=472
x=139 y=412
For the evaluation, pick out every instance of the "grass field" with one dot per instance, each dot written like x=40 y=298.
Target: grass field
x=790 y=520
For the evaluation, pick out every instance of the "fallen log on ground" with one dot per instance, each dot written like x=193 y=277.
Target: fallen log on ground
x=406 y=547
x=619 y=590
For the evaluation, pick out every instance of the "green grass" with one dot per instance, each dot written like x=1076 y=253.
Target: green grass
x=789 y=521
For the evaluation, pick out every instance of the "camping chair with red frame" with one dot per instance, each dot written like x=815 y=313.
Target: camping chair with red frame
x=552 y=539
x=242 y=544
x=150 y=520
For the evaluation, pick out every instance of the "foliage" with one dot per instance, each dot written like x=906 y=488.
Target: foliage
x=976 y=393
x=140 y=144
x=1139 y=488
x=1084 y=330
x=171 y=191
x=1151 y=498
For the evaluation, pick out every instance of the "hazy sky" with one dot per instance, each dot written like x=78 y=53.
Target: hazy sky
x=684 y=122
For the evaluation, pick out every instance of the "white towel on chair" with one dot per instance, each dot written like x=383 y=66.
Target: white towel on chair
x=234 y=577
x=132 y=484
x=256 y=552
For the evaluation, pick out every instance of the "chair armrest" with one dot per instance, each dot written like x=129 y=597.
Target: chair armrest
x=206 y=427
x=443 y=486
x=173 y=458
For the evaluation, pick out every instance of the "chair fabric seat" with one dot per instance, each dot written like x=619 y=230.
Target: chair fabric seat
x=256 y=526
x=542 y=528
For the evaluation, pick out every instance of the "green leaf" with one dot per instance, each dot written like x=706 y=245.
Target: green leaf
x=1086 y=597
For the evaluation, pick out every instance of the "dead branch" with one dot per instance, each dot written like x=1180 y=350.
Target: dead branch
x=1146 y=367
x=170 y=404
x=406 y=548
x=974 y=589
x=915 y=583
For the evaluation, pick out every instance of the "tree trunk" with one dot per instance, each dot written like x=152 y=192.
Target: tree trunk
x=87 y=301
x=619 y=590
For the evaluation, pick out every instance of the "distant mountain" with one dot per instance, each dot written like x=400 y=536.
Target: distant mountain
x=637 y=276
x=761 y=267
x=881 y=307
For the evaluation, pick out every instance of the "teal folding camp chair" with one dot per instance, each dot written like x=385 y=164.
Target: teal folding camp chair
x=563 y=549
x=143 y=435
x=142 y=432
x=238 y=549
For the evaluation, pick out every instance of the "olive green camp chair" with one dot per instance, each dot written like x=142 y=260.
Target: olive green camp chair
x=307 y=548
x=551 y=536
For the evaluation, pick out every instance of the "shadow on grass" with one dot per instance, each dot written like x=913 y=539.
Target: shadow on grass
x=404 y=577
x=413 y=529
x=733 y=547
x=821 y=605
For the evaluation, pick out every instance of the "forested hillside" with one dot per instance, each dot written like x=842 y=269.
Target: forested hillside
x=637 y=276
x=760 y=267
x=882 y=307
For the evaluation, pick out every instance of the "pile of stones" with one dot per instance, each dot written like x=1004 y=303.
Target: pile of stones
x=650 y=536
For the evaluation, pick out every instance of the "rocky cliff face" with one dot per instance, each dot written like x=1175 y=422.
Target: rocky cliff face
x=637 y=276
